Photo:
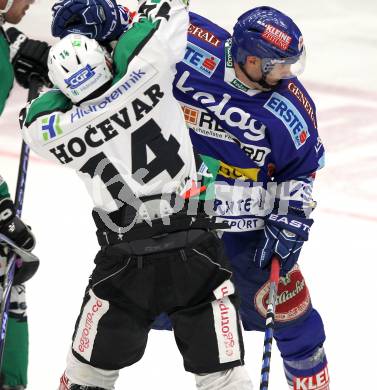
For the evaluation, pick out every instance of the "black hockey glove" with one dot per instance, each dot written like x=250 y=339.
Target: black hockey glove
x=29 y=57
x=12 y=226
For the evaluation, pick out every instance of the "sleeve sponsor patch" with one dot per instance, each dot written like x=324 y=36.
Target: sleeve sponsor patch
x=296 y=91
x=200 y=60
x=204 y=35
x=284 y=109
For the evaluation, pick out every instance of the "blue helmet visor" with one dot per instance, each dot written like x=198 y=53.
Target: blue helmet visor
x=284 y=68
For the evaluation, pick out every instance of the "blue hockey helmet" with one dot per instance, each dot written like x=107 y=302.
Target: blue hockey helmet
x=272 y=36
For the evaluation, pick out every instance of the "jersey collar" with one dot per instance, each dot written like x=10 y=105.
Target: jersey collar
x=230 y=74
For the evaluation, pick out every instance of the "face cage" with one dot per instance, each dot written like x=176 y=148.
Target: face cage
x=293 y=66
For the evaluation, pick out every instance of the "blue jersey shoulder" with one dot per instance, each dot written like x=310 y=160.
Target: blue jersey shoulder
x=206 y=31
x=292 y=129
x=274 y=132
x=205 y=42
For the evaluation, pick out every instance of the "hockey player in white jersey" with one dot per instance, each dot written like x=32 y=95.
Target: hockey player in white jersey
x=117 y=124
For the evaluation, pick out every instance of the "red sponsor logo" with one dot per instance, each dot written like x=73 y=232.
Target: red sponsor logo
x=64 y=383
x=203 y=35
x=271 y=169
x=303 y=136
x=225 y=321
x=225 y=328
x=194 y=190
x=319 y=381
x=85 y=339
x=293 y=298
x=277 y=37
x=210 y=63
x=296 y=91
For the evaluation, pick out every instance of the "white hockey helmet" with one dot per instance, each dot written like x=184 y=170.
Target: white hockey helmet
x=7 y=5
x=78 y=66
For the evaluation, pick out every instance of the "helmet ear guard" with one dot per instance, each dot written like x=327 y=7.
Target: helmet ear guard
x=270 y=35
x=78 y=66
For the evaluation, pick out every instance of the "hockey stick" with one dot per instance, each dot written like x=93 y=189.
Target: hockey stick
x=270 y=321
x=34 y=87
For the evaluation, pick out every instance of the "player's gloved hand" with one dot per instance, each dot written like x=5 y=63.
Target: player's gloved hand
x=284 y=236
x=102 y=20
x=24 y=270
x=12 y=226
x=28 y=57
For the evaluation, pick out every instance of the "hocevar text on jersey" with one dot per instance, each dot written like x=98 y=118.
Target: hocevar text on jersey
x=104 y=131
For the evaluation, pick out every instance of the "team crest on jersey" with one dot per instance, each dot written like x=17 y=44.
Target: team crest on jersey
x=284 y=109
x=51 y=127
x=200 y=60
x=293 y=299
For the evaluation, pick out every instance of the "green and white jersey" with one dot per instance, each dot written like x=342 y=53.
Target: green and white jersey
x=4 y=191
x=133 y=137
x=6 y=70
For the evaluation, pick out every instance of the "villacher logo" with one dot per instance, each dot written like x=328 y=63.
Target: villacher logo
x=293 y=299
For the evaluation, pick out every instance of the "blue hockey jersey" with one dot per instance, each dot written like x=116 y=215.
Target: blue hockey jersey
x=260 y=139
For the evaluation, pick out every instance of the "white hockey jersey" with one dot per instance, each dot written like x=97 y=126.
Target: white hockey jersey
x=133 y=138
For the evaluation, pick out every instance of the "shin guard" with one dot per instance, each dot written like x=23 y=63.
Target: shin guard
x=301 y=347
x=310 y=373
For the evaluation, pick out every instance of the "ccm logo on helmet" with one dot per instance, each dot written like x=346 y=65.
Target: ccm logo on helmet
x=80 y=77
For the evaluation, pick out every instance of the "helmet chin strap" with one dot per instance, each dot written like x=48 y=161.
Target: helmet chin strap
x=262 y=81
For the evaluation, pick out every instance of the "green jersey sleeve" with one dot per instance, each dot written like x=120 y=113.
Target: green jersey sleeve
x=165 y=21
x=4 y=191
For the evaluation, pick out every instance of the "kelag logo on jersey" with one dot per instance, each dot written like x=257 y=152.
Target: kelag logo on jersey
x=51 y=127
x=283 y=109
x=80 y=77
x=200 y=60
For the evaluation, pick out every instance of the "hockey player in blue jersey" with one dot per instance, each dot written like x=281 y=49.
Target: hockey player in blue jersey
x=252 y=119
x=246 y=109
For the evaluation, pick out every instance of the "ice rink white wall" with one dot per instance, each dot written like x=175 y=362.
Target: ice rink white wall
x=339 y=261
